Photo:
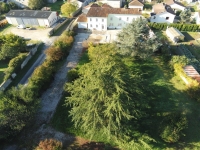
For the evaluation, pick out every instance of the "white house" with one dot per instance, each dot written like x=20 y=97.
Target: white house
x=103 y=18
x=32 y=17
x=136 y=4
x=175 y=5
x=174 y=34
x=162 y=13
x=197 y=17
x=112 y=3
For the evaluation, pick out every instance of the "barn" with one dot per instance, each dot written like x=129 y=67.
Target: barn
x=174 y=34
x=32 y=17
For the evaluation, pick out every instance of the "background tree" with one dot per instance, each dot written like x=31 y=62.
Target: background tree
x=99 y=97
x=4 y=7
x=185 y=16
x=68 y=8
x=36 y=4
x=135 y=40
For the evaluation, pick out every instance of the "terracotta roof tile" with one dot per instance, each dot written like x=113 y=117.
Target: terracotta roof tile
x=92 y=5
x=105 y=11
x=82 y=18
x=136 y=3
x=162 y=7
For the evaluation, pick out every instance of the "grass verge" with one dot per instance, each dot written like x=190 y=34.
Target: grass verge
x=55 y=6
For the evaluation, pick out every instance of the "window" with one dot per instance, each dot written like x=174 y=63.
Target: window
x=102 y=20
x=111 y=18
x=120 y=18
x=91 y=25
x=96 y=20
x=102 y=27
x=96 y=26
x=90 y=19
x=127 y=19
x=119 y=24
x=154 y=17
x=167 y=18
x=111 y=24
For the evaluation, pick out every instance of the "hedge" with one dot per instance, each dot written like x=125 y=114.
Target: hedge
x=181 y=27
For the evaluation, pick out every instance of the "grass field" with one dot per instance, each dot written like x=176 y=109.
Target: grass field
x=55 y=6
x=165 y=93
x=3 y=66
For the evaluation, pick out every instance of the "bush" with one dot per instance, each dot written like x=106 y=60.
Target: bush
x=172 y=126
x=49 y=144
x=72 y=75
x=14 y=65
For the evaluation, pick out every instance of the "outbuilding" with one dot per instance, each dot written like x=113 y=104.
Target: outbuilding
x=174 y=34
x=82 y=21
x=32 y=17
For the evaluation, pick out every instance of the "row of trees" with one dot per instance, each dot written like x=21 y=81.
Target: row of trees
x=181 y=27
x=5 y=7
x=18 y=105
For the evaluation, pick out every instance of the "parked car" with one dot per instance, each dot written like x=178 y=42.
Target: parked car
x=21 y=26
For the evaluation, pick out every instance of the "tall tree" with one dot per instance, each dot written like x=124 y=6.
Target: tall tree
x=135 y=40
x=99 y=97
x=185 y=16
x=68 y=8
x=36 y=4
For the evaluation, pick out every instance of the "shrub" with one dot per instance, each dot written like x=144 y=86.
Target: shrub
x=172 y=126
x=14 y=65
x=54 y=54
x=72 y=75
x=49 y=144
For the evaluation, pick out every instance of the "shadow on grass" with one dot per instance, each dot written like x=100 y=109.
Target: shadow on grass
x=188 y=37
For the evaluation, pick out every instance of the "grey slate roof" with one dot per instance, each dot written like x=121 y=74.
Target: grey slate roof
x=29 y=13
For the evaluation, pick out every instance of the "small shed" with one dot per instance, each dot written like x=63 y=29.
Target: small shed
x=174 y=34
x=82 y=21
x=192 y=72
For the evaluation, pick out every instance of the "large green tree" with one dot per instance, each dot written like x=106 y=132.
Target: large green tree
x=68 y=8
x=135 y=40
x=185 y=16
x=10 y=46
x=100 y=100
x=36 y=4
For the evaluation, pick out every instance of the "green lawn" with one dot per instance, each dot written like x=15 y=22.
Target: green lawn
x=165 y=94
x=55 y=6
x=3 y=66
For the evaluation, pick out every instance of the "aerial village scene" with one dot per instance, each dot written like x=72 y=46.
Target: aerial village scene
x=99 y=74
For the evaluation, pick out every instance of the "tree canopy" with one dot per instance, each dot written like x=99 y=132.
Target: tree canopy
x=36 y=4
x=100 y=97
x=185 y=16
x=68 y=8
x=135 y=40
x=10 y=46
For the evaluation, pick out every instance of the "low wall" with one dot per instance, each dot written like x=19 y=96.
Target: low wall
x=51 y=32
x=29 y=56
x=5 y=84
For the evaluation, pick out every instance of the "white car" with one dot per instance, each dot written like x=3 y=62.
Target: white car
x=21 y=26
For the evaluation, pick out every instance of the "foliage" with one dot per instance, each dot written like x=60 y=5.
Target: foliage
x=72 y=75
x=36 y=4
x=4 y=8
x=98 y=95
x=49 y=144
x=12 y=5
x=183 y=60
x=68 y=8
x=178 y=12
x=193 y=92
x=10 y=46
x=185 y=16
x=15 y=111
x=54 y=53
x=172 y=126
x=181 y=27
x=135 y=40
x=14 y=65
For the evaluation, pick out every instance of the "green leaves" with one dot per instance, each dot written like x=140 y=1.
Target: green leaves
x=134 y=40
x=185 y=16
x=68 y=8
